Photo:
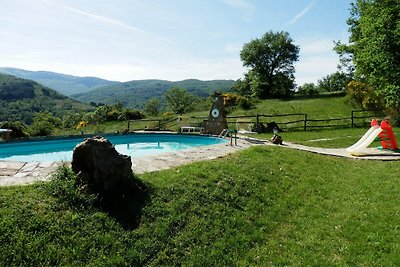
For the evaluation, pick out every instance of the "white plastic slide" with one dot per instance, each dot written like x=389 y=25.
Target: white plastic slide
x=366 y=140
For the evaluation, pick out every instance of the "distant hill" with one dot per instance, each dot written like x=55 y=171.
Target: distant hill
x=21 y=98
x=62 y=83
x=134 y=94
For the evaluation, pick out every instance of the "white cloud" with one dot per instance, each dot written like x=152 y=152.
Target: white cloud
x=233 y=48
x=316 y=60
x=301 y=14
x=107 y=20
x=243 y=6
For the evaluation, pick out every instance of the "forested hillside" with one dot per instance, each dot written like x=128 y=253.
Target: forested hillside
x=21 y=98
x=62 y=83
x=134 y=94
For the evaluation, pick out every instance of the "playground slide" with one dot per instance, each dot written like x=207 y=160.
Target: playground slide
x=363 y=138
x=366 y=140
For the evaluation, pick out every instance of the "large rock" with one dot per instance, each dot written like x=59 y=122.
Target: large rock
x=100 y=167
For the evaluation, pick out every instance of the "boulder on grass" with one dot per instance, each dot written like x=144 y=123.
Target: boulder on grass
x=100 y=167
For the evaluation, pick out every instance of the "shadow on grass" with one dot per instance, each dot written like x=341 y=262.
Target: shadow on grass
x=126 y=204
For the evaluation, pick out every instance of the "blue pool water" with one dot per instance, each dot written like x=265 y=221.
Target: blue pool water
x=136 y=146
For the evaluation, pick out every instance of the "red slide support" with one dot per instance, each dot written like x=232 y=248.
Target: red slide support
x=388 y=140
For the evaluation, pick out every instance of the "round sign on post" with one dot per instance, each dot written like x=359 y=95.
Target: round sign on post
x=215 y=112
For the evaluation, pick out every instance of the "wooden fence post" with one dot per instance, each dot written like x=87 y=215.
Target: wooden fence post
x=258 y=119
x=352 y=119
x=305 y=121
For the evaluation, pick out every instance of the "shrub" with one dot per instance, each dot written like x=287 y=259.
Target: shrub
x=17 y=127
x=231 y=99
x=44 y=124
x=364 y=96
x=308 y=89
x=246 y=103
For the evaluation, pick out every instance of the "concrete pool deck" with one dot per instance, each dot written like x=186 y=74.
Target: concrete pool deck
x=20 y=173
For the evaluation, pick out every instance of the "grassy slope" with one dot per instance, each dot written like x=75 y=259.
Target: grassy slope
x=259 y=207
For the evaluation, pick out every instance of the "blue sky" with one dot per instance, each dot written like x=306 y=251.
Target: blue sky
x=165 y=39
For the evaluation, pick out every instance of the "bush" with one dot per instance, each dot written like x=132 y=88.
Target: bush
x=363 y=96
x=231 y=99
x=63 y=186
x=308 y=89
x=44 y=124
x=17 y=127
x=246 y=103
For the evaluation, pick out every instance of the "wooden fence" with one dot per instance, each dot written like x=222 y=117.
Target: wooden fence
x=287 y=122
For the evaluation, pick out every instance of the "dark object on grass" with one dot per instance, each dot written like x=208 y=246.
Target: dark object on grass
x=276 y=139
x=102 y=171
x=100 y=167
x=260 y=128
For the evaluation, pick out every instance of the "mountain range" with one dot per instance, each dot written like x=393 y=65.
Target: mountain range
x=131 y=94
x=20 y=99
x=62 y=83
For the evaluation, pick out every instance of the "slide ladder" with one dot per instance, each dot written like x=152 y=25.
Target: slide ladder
x=388 y=140
x=385 y=134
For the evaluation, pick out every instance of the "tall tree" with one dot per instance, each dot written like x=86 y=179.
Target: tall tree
x=374 y=46
x=152 y=107
x=179 y=100
x=271 y=60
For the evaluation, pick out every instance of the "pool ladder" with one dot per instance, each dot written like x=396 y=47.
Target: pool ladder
x=231 y=133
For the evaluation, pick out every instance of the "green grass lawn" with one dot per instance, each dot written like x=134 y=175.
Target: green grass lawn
x=264 y=206
x=328 y=138
x=319 y=107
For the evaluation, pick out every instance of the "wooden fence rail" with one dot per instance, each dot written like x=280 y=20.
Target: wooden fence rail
x=289 y=121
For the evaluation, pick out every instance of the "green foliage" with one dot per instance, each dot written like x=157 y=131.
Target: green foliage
x=20 y=99
x=308 y=89
x=179 y=100
x=363 y=96
x=271 y=61
x=115 y=112
x=231 y=99
x=246 y=103
x=44 y=124
x=335 y=82
x=152 y=107
x=374 y=45
x=14 y=89
x=17 y=127
x=135 y=94
x=391 y=96
x=64 y=187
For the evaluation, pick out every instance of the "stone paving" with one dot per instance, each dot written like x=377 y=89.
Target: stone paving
x=19 y=173
x=364 y=154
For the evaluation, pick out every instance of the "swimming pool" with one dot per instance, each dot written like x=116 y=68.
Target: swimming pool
x=134 y=145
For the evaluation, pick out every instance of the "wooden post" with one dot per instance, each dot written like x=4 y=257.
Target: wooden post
x=305 y=121
x=352 y=119
x=257 y=120
x=129 y=122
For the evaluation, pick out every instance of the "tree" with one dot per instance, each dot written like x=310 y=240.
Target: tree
x=308 y=89
x=374 y=47
x=44 y=123
x=152 y=107
x=335 y=82
x=362 y=95
x=179 y=100
x=271 y=60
